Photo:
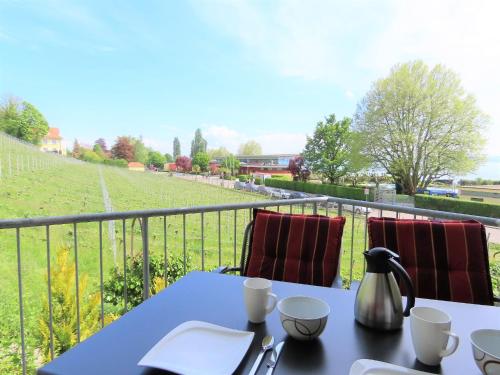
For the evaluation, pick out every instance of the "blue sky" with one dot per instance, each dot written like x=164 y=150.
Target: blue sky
x=238 y=70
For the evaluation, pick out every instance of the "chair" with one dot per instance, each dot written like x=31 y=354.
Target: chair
x=446 y=260
x=296 y=248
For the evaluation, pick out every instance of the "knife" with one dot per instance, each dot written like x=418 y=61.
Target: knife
x=271 y=364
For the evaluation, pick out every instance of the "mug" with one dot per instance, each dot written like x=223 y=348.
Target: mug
x=259 y=300
x=430 y=331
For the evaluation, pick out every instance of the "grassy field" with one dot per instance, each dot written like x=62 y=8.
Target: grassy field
x=58 y=186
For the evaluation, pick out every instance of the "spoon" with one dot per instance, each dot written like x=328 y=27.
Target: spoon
x=267 y=344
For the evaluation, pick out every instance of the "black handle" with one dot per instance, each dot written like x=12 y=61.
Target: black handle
x=410 y=298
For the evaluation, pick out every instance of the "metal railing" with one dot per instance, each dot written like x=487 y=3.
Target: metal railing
x=311 y=205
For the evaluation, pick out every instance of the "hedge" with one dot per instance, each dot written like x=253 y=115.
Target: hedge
x=325 y=189
x=457 y=205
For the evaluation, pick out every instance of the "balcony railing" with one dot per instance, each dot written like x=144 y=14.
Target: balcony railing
x=238 y=215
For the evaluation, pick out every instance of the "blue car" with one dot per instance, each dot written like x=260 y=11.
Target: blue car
x=438 y=192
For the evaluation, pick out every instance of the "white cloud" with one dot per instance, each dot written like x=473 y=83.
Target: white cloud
x=350 y=44
x=271 y=142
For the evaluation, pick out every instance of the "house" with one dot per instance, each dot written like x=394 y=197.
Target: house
x=53 y=142
x=136 y=166
x=169 y=167
x=262 y=164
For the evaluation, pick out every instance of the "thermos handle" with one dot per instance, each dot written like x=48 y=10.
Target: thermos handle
x=410 y=298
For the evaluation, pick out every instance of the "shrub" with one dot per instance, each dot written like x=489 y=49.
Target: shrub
x=284 y=177
x=114 y=288
x=116 y=162
x=244 y=178
x=325 y=189
x=457 y=205
x=258 y=181
x=64 y=315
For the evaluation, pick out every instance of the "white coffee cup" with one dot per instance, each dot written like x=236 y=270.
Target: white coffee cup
x=430 y=330
x=259 y=300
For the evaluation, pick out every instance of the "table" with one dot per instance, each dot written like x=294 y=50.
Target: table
x=218 y=299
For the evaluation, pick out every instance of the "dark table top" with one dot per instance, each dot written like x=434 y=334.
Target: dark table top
x=218 y=299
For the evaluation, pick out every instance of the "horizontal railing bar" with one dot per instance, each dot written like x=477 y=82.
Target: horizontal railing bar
x=495 y=222
x=104 y=216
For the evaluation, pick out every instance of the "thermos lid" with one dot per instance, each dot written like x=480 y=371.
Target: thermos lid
x=377 y=259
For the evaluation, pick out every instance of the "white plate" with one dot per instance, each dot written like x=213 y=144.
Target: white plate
x=195 y=347
x=371 y=367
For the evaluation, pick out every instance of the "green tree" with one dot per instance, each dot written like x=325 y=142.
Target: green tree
x=419 y=124
x=177 y=148
x=250 y=148
x=198 y=144
x=328 y=151
x=90 y=156
x=231 y=164
x=64 y=312
x=99 y=151
x=220 y=152
x=201 y=159
x=168 y=158
x=140 y=150
x=23 y=121
x=156 y=158
x=9 y=116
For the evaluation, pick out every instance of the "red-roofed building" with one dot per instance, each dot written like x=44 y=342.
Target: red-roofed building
x=136 y=166
x=53 y=142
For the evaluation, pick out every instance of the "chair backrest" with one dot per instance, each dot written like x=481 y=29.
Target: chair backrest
x=446 y=260
x=296 y=248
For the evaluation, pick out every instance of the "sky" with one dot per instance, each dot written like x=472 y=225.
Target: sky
x=239 y=70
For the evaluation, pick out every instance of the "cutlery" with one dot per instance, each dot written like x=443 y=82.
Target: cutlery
x=267 y=343
x=271 y=364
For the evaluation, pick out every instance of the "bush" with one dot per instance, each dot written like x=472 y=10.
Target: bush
x=457 y=205
x=244 y=178
x=114 y=288
x=116 y=162
x=64 y=309
x=284 y=177
x=324 y=189
x=258 y=181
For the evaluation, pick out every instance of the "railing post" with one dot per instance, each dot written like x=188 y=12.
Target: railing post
x=145 y=257
x=315 y=208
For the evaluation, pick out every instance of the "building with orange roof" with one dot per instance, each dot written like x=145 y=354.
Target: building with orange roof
x=136 y=166
x=53 y=142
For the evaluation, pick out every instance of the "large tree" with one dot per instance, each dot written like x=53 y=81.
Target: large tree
x=177 y=148
x=140 y=150
x=183 y=163
x=198 y=144
x=419 y=124
x=220 y=152
x=23 y=120
x=231 y=163
x=123 y=149
x=298 y=168
x=250 y=148
x=201 y=159
x=156 y=159
x=168 y=158
x=328 y=151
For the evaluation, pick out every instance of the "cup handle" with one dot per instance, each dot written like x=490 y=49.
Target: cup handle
x=272 y=300
x=453 y=347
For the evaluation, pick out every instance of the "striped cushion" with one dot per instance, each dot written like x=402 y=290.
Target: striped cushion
x=296 y=248
x=446 y=260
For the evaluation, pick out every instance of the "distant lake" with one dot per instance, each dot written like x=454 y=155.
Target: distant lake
x=489 y=170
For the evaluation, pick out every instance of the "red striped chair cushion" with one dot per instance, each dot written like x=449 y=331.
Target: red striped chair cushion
x=296 y=248
x=446 y=260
